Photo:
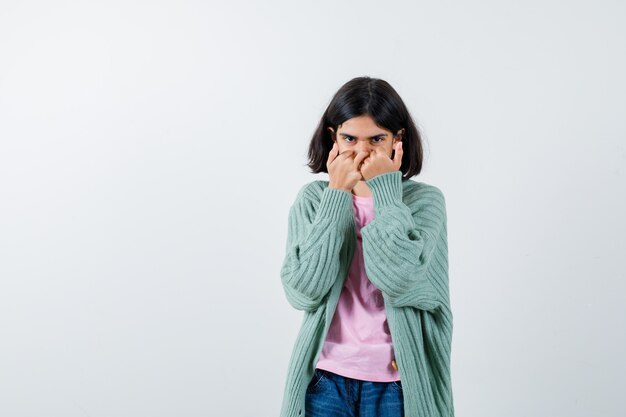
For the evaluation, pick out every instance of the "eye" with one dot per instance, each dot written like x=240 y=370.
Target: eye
x=377 y=139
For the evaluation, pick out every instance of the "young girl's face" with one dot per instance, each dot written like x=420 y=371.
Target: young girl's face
x=361 y=134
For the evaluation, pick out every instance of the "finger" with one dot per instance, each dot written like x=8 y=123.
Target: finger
x=348 y=153
x=332 y=154
x=360 y=157
x=397 y=158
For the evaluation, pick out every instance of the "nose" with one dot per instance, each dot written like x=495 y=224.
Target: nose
x=363 y=146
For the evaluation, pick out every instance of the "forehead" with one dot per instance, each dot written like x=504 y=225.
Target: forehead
x=361 y=126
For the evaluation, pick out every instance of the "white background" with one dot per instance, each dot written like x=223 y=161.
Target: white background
x=149 y=153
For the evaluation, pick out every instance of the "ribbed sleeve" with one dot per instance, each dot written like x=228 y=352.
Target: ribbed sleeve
x=399 y=244
x=315 y=233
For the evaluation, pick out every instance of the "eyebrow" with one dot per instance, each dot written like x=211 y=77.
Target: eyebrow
x=371 y=137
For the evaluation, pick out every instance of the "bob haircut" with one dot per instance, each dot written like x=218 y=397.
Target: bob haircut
x=375 y=98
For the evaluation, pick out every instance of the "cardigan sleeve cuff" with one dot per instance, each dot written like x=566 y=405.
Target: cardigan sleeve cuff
x=335 y=203
x=386 y=189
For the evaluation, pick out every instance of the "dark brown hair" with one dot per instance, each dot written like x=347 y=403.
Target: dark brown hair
x=375 y=98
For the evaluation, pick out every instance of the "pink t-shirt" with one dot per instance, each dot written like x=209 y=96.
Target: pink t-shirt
x=358 y=344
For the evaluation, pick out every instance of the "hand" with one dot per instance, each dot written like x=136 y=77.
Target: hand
x=379 y=163
x=343 y=169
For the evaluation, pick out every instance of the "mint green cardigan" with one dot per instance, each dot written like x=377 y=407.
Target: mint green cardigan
x=406 y=256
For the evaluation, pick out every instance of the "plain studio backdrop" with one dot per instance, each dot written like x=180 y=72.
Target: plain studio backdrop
x=150 y=151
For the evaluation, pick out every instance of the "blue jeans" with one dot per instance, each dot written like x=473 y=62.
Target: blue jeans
x=332 y=395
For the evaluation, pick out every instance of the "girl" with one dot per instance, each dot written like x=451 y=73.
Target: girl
x=367 y=262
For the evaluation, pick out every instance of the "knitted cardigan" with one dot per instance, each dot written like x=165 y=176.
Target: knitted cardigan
x=406 y=256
